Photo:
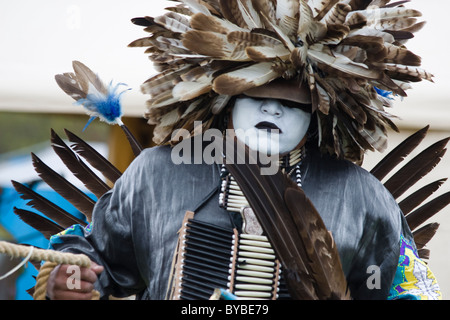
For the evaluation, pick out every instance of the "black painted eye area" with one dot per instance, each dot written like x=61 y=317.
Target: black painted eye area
x=296 y=105
x=307 y=107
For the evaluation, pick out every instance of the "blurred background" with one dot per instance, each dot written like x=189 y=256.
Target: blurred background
x=39 y=39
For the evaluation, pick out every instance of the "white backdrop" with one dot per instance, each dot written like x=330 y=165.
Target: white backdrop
x=39 y=39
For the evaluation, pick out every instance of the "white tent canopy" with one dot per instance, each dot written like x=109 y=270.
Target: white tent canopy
x=40 y=39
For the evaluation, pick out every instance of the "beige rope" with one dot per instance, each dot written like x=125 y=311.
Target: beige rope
x=40 y=289
x=52 y=258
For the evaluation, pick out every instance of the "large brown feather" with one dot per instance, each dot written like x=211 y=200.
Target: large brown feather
x=302 y=243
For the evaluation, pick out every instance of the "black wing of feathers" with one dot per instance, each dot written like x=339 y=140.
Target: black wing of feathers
x=94 y=158
x=80 y=170
x=55 y=219
x=405 y=178
x=306 y=249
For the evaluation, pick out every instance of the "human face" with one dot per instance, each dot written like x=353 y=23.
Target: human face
x=266 y=125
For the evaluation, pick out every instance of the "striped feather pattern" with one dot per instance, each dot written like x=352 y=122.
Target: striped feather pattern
x=322 y=43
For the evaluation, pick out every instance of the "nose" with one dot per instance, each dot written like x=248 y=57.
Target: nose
x=272 y=108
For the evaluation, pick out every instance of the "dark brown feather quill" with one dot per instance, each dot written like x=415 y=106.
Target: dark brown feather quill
x=426 y=211
x=43 y=225
x=78 y=167
x=67 y=190
x=416 y=198
x=310 y=260
x=424 y=253
x=46 y=207
x=94 y=158
x=134 y=143
x=416 y=169
x=423 y=235
x=393 y=158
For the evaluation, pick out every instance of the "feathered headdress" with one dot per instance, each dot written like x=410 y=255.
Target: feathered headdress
x=349 y=54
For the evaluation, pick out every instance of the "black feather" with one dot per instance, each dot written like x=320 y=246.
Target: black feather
x=416 y=169
x=416 y=198
x=393 y=158
x=143 y=21
x=423 y=235
x=31 y=291
x=46 y=207
x=426 y=211
x=78 y=167
x=45 y=226
x=424 y=253
x=67 y=190
x=94 y=158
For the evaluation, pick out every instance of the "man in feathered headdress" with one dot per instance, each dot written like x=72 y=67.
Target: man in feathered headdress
x=320 y=74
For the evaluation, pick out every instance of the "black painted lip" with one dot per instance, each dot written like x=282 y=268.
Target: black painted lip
x=265 y=125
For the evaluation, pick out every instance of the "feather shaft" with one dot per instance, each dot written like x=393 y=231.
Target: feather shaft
x=136 y=147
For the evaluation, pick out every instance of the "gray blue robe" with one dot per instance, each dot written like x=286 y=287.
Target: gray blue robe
x=134 y=229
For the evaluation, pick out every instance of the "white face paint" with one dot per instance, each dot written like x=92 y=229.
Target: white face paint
x=254 y=121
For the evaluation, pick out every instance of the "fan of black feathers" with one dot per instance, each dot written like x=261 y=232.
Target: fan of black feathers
x=402 y=180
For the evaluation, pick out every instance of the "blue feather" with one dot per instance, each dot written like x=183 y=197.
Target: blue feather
x=384 y=93
x=105 y=107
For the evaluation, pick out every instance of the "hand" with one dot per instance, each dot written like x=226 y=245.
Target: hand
x=68 y=282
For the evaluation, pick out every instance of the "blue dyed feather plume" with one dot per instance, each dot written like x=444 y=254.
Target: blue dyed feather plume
x=99 y=101
x=105 y=107
x=384 y=93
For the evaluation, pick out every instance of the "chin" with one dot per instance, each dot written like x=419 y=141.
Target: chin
x=270 y=147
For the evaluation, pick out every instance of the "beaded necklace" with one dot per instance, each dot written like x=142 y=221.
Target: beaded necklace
x=232 y=198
